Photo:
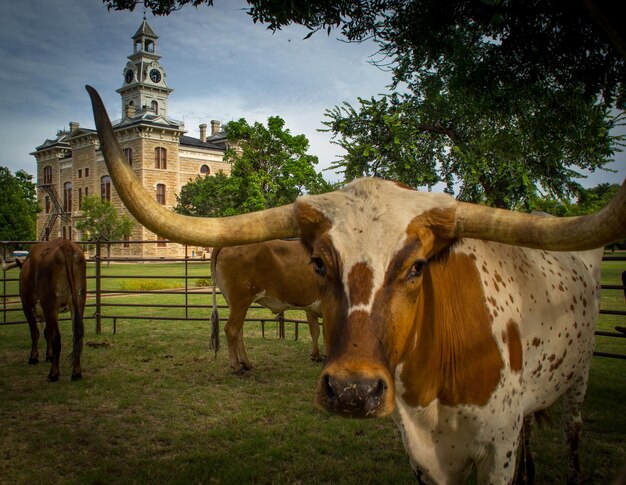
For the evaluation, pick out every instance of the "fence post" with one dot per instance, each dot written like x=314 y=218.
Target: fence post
x=4 y=287
x=98 y=288
x=186 y=285
x=281 y=326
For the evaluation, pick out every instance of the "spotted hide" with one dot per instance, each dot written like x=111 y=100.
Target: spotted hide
x=52 y=281
x=275 y=274
x=459 y=339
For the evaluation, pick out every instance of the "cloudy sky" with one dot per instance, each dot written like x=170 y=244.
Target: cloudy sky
x=219 y=63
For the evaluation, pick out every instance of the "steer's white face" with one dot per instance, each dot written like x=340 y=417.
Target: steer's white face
x=370 y=220
x=369 y=242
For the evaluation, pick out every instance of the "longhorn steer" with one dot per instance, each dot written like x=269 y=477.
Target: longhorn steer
x=458 y=320
x=52 y=281
x=275 y=274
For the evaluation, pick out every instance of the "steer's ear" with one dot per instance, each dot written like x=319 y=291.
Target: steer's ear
x=312 y=224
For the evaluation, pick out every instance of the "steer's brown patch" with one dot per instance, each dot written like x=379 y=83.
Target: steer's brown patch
x=440 y=222
x=514 y=343
x=455 y=357
x=360 y=283
x=312 y=222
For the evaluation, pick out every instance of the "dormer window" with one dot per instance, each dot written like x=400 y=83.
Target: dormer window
x=155 y=107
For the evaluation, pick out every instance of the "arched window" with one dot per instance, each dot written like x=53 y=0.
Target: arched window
x=155 y=107
x=160 y=158
x=160 y=193
x=47 y=175
x=105 y=188
x=47 y=202
x=67 y=197
x=128 y=154
x=205 y=169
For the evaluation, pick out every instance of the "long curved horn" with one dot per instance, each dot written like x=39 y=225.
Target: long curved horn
x=551 y=233
x=198 y=231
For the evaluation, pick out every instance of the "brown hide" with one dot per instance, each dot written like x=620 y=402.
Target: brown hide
x=52 y=281
x=276 y=274
x=455 y=357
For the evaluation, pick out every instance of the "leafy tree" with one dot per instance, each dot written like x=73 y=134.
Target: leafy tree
x=18 y=206
x=593 y=199
x=209 y=196
x=379 y=140
x=270 y=167
x=499 y=99
x=493 y=158
x=589 y=201
x=494 y=95
x=101 y=220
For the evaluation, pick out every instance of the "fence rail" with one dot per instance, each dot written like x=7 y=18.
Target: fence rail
x=102 y=307
x=107 y=308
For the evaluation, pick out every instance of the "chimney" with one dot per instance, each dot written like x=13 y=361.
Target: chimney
x=130 y=111
x=215 y=127
x=203 y=132
x=74 y=126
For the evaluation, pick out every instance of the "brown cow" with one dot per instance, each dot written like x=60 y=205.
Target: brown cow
x=276 y=274
x=456 y=319
x=52 y=281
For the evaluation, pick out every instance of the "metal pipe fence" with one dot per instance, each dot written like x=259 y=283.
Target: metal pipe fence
x=104 y=306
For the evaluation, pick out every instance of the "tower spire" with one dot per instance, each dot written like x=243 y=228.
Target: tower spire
x=144 y=91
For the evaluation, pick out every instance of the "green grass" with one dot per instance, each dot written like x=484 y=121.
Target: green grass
x=157 y=406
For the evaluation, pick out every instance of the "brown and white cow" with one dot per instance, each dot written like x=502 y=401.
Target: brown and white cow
x=276 y=274
x=458 y=320
x=52 y=281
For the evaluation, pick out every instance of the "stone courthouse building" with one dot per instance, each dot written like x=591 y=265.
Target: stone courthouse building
x=71 y=167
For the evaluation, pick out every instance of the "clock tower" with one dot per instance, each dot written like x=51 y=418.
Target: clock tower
x=144 y=90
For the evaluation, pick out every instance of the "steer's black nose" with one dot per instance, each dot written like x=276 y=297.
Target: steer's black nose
x=354 y=398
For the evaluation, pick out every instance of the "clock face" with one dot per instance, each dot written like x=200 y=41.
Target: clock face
x=155 y=75
x=129 y=76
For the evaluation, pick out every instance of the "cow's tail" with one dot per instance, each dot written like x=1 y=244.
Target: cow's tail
x=73 y=267
x=215 y=317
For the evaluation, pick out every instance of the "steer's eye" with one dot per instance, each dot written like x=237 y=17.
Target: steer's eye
x=417 y=269
x=318 y=265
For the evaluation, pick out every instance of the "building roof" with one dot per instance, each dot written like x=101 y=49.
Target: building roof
x=196 y=142
x=60 y=141
x=151 y=118
x=145 y=30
